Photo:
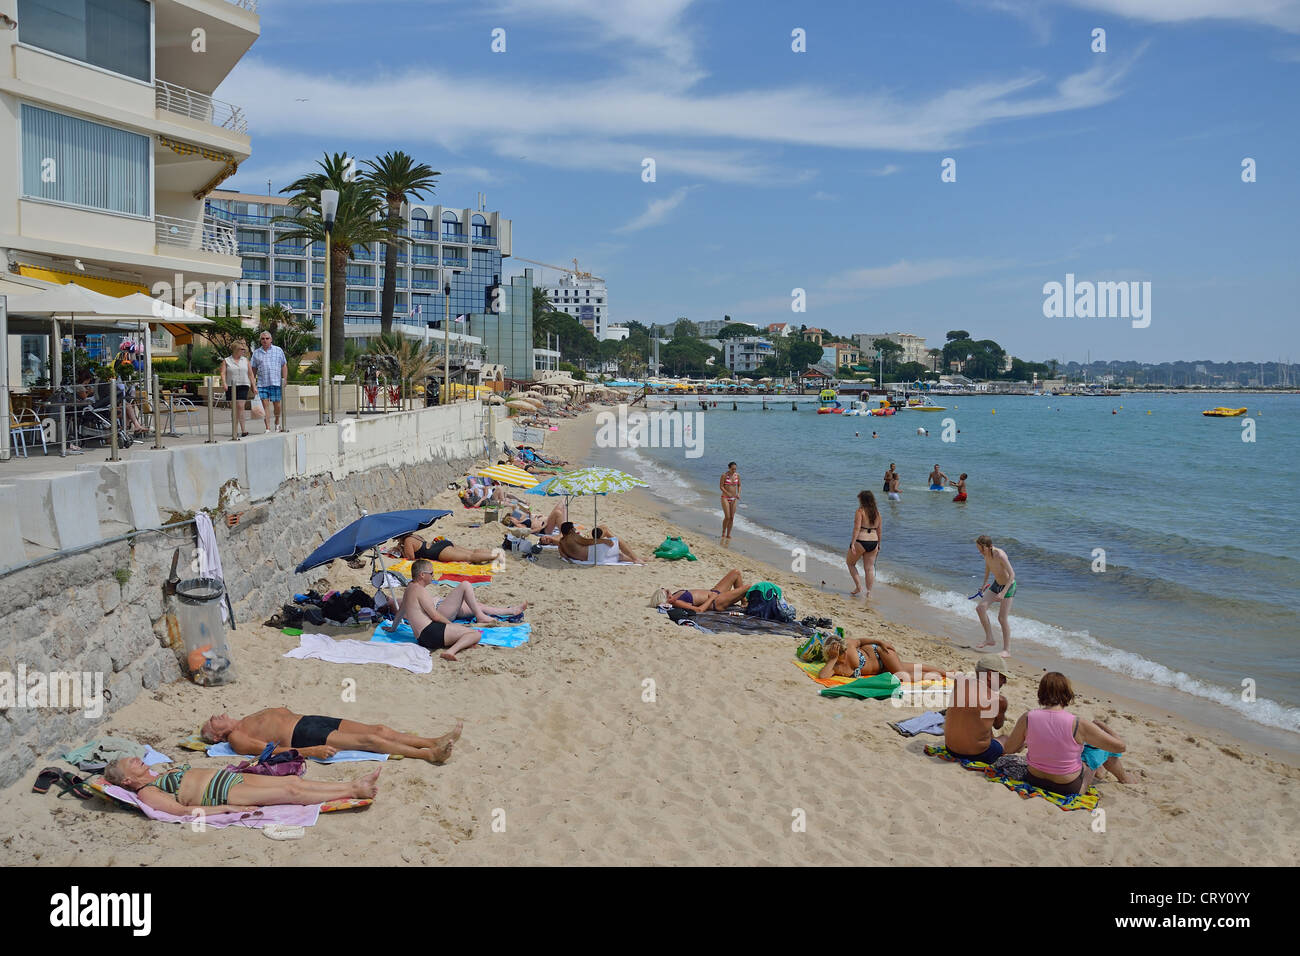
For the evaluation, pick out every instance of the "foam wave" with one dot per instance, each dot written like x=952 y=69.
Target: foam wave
x=1080 y=645
x=812 y=551
x=660 y=477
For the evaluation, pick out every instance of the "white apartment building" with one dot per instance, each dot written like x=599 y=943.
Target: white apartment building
x=913 y=345
x=587 y=300
x=746 y=353
x=115 y=141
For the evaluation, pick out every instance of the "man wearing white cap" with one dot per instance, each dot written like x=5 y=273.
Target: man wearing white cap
x=977 y=710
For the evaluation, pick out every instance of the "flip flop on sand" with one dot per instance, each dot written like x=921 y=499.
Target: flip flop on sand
x=71 y=783
x=46 y=777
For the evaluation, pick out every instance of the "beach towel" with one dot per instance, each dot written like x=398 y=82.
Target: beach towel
x=288 y=814
x=209 y=556
x=409 y=657
x=106 y=749
x=511 y=636
x=224 y=749
x=602 y=553
x=931 y=722
x=441 y=569
x=737 y=622
x=811 y=668
x=866 y=688
x=1077 y=801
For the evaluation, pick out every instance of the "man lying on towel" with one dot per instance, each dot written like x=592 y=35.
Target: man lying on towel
x=321 y=737
x=600 y=548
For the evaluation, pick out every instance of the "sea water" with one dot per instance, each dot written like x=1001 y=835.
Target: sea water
x=1147 y=539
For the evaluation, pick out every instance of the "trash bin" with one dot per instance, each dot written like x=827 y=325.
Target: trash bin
x=203 y=633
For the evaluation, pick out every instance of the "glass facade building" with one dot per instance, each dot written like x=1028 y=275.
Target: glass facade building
x=438 y=245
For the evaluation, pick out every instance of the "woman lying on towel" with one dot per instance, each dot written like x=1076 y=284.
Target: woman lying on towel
x=413 y=548
x=575 y=547
x=718 y=598
x=184 y=789
x=857 y=657
x=518 y=518
x=482 y=491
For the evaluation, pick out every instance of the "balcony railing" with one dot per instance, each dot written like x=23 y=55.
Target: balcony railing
x=454 y=237
x=482 y=240
x=295 y=277
x=199 y=106
x=426 y=260
x=454 y=261
x=206 y=234
x=256 y=274
x=290 y=249
x=249 y=5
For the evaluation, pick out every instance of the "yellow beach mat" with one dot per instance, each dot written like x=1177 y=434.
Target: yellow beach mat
x=441 y=568
x=1077 y=801
x=813 y=668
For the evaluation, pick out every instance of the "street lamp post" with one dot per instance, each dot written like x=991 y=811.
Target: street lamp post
x=329 y=205
x=446 y=342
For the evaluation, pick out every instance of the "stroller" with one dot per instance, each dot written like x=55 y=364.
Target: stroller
x=96 y=422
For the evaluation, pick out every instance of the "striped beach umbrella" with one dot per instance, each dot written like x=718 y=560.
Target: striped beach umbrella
x=593 y=481
x=508 y=475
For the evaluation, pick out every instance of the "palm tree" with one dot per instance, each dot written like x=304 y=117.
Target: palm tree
x=356 y=223
x=272 y=316
x=395 y=176
x=412 y=359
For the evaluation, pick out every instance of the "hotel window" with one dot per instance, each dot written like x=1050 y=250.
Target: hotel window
x=92 y=165
x=110 y=34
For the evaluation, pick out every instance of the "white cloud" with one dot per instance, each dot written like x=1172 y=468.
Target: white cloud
x=820 y=196
x=1282 y=14
x=887 y=170
x=905 y=273
x=656 y=211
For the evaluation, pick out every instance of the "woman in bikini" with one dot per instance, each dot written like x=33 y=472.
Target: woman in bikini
x=854 y=657
x=183 y=790
x=865 y=546
x=414 y=547
x=726 y=593
x=549 y=525
x=729 y=485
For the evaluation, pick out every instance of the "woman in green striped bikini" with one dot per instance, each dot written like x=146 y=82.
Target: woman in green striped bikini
x=183 y=790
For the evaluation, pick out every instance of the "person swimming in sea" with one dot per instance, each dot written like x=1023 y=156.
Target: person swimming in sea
x=893 y=488
x=961 y=488
x=938 y=480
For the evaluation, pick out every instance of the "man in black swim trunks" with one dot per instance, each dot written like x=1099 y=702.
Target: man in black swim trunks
x=433 y=630
x=321 y=737
x=413 y=548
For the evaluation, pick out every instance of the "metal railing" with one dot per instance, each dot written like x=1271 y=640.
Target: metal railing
x=206 y=234
x=199 y=106
x=249 y=5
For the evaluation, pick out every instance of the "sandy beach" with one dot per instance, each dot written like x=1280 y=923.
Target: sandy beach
x=564 y=753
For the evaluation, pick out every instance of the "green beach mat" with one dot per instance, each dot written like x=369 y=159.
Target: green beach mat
x=866 y=688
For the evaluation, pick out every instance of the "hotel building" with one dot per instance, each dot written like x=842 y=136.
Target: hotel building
x=586 y=299
x=116 y=143
x=913 y=346
x=437 y=245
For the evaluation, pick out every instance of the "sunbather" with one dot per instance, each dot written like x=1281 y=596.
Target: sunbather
x=859 y=657
x=184 y=789
x=414 y=547
x=321 y=737
x=576 y=547
x=434 y=629
x=538 y=525
x=727 y=592
x=482 y=491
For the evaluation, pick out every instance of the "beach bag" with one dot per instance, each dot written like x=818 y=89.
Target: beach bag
x=811 y=651
x=674 y=549
x=289 y=763
x=679 y=614
x=786 y=612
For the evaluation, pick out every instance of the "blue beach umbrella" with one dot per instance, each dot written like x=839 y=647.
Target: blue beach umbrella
x=368 y=532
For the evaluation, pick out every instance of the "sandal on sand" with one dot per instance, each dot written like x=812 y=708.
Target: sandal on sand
x=283 y=831
x=46 y=777
x=71 y=783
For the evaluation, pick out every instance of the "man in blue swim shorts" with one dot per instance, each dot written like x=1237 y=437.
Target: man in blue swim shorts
x=978 y=708
x=271 y=370
x=938 y=480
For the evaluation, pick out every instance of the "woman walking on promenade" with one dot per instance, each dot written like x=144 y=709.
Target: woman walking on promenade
x=865 y=545
x=729 y=485
x=237 y=378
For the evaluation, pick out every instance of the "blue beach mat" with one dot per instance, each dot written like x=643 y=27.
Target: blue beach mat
x=507 y=636
x=224 y=749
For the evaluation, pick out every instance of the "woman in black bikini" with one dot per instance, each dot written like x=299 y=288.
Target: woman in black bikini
x=854 y=657
x=413 y=548
x=865 y=546
x=727 y=592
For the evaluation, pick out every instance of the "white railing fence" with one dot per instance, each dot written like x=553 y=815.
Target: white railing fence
x=199 y=106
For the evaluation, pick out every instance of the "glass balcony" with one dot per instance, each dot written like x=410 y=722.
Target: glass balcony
x=255 y=273
x=362 y=252
x=295 y=277
x=290 y=249
x=454 y=237
x=421 y=259
x=454 y=261
x=485 y=240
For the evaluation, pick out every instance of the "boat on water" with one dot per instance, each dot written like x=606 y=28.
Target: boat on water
x=920 y=403
x=1222 y=412
x=886 y=408
x=828 y=403
x=856 y=407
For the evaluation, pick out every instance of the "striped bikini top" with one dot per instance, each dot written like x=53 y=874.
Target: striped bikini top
x=170 y=782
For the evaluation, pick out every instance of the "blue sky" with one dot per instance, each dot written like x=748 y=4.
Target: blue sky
x=820 y=170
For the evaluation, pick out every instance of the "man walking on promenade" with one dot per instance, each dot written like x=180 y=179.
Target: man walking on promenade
x=272 y=370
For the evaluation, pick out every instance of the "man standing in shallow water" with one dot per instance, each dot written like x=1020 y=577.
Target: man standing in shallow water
x=1003 y=589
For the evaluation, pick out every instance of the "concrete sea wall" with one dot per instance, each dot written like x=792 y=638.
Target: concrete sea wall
x=102 y=610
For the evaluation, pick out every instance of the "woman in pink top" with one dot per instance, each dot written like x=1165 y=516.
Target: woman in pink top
x=1056 y=738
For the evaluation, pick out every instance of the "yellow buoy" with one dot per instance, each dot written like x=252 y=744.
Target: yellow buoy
x=1148 y=411
x=993 y=411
